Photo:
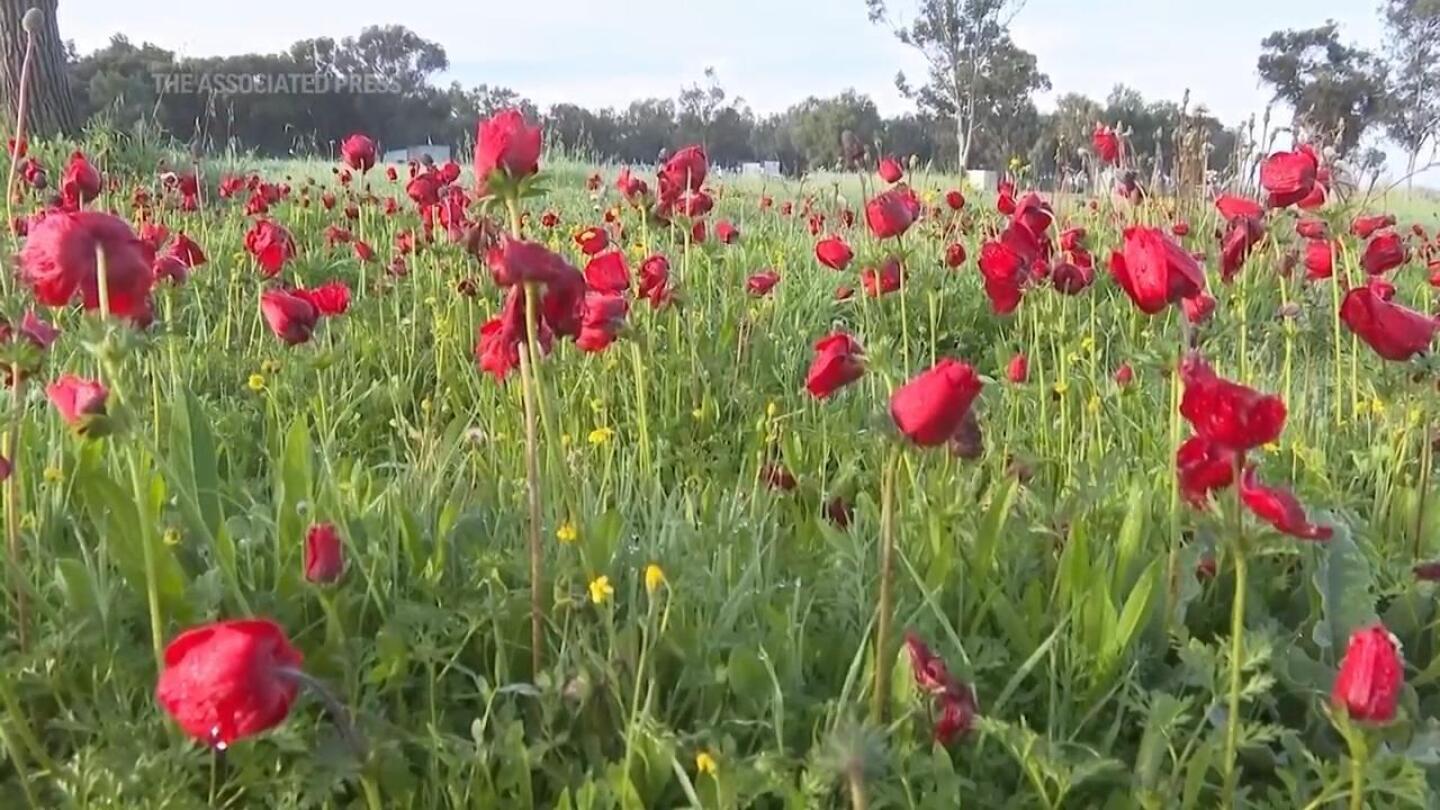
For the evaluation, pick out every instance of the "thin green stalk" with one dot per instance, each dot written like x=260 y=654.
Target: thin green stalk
x=9 y=449
x=1423 y=487
x=1237 y=649
x=1359 y=759
x=880 y=698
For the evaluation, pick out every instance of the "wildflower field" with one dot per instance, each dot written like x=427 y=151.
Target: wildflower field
x=525 y=484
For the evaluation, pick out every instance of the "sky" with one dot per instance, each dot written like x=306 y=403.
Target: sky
x=771 y=53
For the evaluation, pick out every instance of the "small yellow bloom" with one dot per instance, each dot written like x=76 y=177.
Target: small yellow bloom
x=1015 y=162
x=654 y=578
x=600 y=590
x=1377 y=405
x=1271 y=447
x=601 y=435
x=54 y=475
x=256 y=382
x=567 y=532
x=171 y=537
x=706 y=764
x=1062 y=388
x=1087 y=344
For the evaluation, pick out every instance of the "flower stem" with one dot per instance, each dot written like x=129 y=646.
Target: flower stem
x=1359 y=758
x=856 y=777
x=1237 y=649
x=1423 y=488
x=879 y=699
x=10 y=448
x=530 y=391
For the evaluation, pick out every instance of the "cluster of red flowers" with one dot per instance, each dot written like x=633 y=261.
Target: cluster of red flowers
x=954 y=700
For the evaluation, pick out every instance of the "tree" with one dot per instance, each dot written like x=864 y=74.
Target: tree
x=978 y=76
x=1337 y=91
x=816 y=124
x=51 y=104
x=1414 y=115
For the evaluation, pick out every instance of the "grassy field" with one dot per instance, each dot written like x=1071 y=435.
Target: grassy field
x=1058 y=572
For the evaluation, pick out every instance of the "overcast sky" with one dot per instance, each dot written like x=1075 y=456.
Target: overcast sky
x=770 y=52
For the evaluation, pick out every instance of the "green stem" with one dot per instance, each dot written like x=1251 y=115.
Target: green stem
x=879 y=699
x=152 y=578
x=1237 y=650
x=530 y=391
x=1359 y=758
x=10 y=448
x=1423 y=488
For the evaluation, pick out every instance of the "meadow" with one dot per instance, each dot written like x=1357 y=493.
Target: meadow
x=751 y=595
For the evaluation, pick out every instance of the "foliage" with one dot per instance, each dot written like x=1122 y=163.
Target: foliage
x=1337 y=91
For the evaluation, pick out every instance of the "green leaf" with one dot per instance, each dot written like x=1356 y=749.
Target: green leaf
x=1344 y=581
x=294 y=490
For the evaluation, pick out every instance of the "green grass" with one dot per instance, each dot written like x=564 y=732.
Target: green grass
x=1058 y=572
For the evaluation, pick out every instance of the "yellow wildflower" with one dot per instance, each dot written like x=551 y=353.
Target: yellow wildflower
x=567 y=532
x=600 y=590
x=171 y=537
x=654 y=578
x=54 y=475
x=1271 y=447
x=601 y=435
x=1062 y=388
x=706 y=764
x=1087 y=344
x=256 y=382
x=1377 y=405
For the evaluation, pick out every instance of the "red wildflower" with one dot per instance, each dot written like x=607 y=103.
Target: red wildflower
x=1155 y=271
x=930 y=407
x=891 y=213
x=59 y=260
x=1365 y=226
x=1384 y=252
x=607 y=273
x=890 y=170
x=834 y=253
x=1368 y=685
x=761 y=283
x=226 y=681
x=1204 y=467
x=505 y=143
x=1106 y=143
x=324 y=560
x=1279 y=508
x=1289 y=177
x=271 y=246
x=1228 y=413
x=78 y=400
x=839 y=361
x=291 y=317
x=1393 y=331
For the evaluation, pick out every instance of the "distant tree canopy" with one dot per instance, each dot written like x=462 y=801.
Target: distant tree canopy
x=119 y=82
x=1337 y=91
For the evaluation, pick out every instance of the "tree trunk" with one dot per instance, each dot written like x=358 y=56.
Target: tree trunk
x=51 y=103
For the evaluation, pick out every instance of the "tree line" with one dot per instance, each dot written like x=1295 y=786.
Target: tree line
x=975 y=105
